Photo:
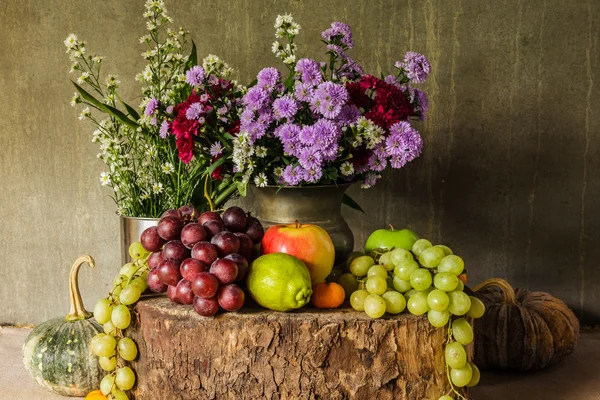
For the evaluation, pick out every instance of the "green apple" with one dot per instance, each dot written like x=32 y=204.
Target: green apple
x=391 y=238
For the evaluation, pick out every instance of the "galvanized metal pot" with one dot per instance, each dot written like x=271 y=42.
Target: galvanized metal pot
x=131 y=230
x=319 y=205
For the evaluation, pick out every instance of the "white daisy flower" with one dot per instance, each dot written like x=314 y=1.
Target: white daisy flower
x=84 y=77
x=75 y=99
x=104 y=179
x=97 y=59
x=260 y=180
x=278 y=171
x=167 y=168
x=71 y=41
x=157 y=188
x=84 y=113
x=260 y=151
x=347 y=169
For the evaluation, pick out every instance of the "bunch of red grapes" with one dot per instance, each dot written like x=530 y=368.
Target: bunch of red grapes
x=196 y=258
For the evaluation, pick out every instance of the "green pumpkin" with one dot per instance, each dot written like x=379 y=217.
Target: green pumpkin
x=57 y=352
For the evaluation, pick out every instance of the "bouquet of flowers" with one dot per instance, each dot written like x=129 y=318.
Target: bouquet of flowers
x=328 y=122
x=178 y=148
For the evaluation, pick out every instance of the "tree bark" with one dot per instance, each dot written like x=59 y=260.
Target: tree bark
x=308 y=354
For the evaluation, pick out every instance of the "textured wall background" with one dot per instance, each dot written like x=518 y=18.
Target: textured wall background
x=509 y=177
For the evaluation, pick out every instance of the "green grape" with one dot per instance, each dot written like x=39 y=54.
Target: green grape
x=357 y=299
x=395 y=302
x=455 y=354
x=401 y=285
x=374 y=306
x=121 y=317
x=461 y=376
x=460 y=303
x=438 y=300
x=376 y=285
x=140 y=282
x=109 y=328
x=360 y=265
x=117 y=395
x=128 y=270
x=130 y=295
x=353 y=256
x=137 y=251
x=405 y=269
x=438 y=318
x=107 y=363
x=453 y=264
x=476 y=375
x=445 y=281
x=477 y=308
x=417 y=304
x=120 y=279
x=349 y=283
x=447 y=251
x=462 y=331
x=410 y=293
x=125 y=378
x=127 y=349
x=399 y=255
x=420 y=245
x=106 y=384
x=446 y=397
x=421 y=279
x=431 y=257
x=95 y=340
x=386 y=261
x=377 y=270
x=102 y=311
x=104 y=346
x=460 y=287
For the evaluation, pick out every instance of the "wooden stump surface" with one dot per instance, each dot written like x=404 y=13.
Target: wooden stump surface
x=307 y=354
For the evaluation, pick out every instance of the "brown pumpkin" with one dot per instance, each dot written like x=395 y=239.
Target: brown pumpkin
x=522 y=330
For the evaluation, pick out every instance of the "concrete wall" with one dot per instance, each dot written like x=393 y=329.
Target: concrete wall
x=509 y=177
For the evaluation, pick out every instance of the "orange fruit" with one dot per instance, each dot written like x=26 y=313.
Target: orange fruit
x=463 y=278
x=95 y=395
x=327 y=295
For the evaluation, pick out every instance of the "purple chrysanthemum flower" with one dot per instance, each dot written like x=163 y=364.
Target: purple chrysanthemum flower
x=216 y=149
x=309 y=157
x=285 y=107
x=328 y=99
x=404 y=144
x=255 y=98
x=213 y=80
x=341 y=30
x=256 y=131
x=195 y=76
x=337 y=50
x=304 y=91
x=246 y=117
x=194 y=111
x=204 y=97
x=391 y=79
x=222 y=110
x=348 y=115
x=377 y=163
x=267 y=78
x=415 y=66
x=170 y=109
x=312 y=174
x=370 y=180
x=307 y=135
x=326 y=134
x=291 y=175
x=164 y=129
x=151 y=107
x=309 y=71
x=397 y=162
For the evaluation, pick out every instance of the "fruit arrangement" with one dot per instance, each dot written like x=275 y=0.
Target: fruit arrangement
x=425 y=279
x=200 y=259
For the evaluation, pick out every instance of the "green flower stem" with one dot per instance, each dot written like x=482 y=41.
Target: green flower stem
x=225 y=194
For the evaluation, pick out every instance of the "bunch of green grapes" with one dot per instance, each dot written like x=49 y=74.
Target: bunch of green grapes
x=113 y=312
x=424 y=280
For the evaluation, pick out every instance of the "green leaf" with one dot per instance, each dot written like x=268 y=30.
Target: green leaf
x=192 y=59
x=289 y=82
x=347 y=200
x=215 y=165
x=241 y=187
x=130 y=110
x=105 y=107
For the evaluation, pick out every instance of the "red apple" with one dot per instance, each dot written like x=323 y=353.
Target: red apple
x=310 y=243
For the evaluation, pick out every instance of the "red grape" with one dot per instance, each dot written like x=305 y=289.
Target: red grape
x=225 y=270
x=151 y=240
x=192 y=234
x=213 y=227
x=205 y=252
x=154 y=259
x=255 y=230
x=189 y=213
x=169 y=228
x=242 y=265
x=245 y=245
x=206 y=307
x=208 y=216
x=172 y=213
x=190 y=267
x=234 y=219
x=226 y=243
x=205 y=285
x=154 y=282
x=168 y=271
x=231 y=297
x=175 y=249
x=172 y=293
x=184 y=292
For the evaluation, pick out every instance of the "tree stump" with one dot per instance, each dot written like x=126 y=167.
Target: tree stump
x=308 y=354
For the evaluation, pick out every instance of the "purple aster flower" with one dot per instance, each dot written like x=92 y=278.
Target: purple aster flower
x=268 y=78
x=151 y=107
x=377 y=163
x=304 y=91
x=216 y=149
x=370 y=180
x=194 y=111
x=213 y=80
x=223 y=110
x=285 y=107
x=291 y=175
x=307 y=135
x=246 y=117
x=153 y=121
x=265 y=116
x=204 y=97
x=341 y=30
x=309 y=157
x=256 y=130
x=326 y=133
x=415 y=66
x=201 y=120
x=337 y=50
x=164 y=129
x=391 y=79
x=309 y=71
x=312 y=174
x=348 y=115
x=423 y=103
x=328 y=99
x=330 y=152
x=170 y=109
x=397 y=162
x=195 y=75
x=404 y=144
x=255 y=98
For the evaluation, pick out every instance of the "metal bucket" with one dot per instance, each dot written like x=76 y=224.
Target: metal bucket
x=131 y=230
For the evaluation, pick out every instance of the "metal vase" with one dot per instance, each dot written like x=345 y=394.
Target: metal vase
x=319 y=205
x=131 y=230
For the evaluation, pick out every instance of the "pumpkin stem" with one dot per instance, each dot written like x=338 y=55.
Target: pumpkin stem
x=504 y=286
x=78 y=311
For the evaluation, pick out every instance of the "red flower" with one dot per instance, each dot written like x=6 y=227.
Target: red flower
x=185 y=147
x=184 y=129
x=234 y=129
x=358 y=96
